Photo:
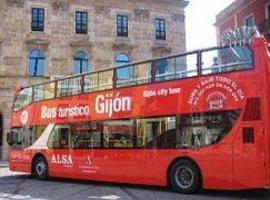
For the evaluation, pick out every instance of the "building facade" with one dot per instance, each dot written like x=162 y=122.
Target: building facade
x=46 y=39
x=245 y=13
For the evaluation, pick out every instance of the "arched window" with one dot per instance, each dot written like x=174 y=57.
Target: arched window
x=36 y=63
x=80 y=62
x=122 y=59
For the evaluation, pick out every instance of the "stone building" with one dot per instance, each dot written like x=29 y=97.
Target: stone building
x=245 y=13
x=45 y=39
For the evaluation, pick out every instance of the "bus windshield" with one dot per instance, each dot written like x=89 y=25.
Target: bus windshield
x=23 y=98
x=25 y=136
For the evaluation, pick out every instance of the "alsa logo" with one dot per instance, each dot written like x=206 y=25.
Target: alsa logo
x=109 y=104
x=24 y=117
x=88 y=160
x=62 y=159
x=216 y=101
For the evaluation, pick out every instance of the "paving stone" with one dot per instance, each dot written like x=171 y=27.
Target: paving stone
x=18 y=186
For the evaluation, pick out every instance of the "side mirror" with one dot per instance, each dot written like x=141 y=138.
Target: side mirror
x=8 y=137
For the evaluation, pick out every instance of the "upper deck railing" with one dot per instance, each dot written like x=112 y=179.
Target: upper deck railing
x=197 y=63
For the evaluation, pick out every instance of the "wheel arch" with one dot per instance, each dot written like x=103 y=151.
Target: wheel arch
x=36 y=156
x=184 y=158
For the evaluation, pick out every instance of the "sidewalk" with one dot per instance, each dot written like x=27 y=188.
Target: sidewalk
x=3 y=164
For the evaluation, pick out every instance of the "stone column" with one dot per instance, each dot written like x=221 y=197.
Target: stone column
x=5 y=148
x=5 y=109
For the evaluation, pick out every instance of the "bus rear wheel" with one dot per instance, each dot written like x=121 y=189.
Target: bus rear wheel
x=185 y=177
x=41 y=168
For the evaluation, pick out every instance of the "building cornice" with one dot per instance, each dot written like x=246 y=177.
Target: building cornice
x=15 y=3
x=181 y=3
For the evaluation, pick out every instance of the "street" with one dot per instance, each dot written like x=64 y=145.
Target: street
x=23 y=186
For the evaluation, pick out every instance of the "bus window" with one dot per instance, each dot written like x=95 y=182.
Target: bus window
x=124 y=76
x=105 y=80
x=176 y=67
x=35 y=133
x=60 y=137
x=98 y=81
x=69 y=86
x=26 y=136
x=142 y=73
x=23 y=98
x=226 y=59
x=186 y=65
x=164 y=69
x=118 y=134
x=86 y=135
x=44 y=91
x=134 y=75
x=16 y=137
x=203 y=129
x=91 y=82
x=156 y=132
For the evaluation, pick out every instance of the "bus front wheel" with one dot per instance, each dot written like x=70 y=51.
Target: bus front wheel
x=185 y=177
x=41 y=168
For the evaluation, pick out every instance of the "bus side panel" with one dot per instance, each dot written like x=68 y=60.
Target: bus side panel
x=215 y=164
x=20 y=160
x=147 y=166
x=110 y=165
x=249 y=158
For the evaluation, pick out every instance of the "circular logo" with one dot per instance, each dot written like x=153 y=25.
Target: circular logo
x=216 y=101
x=24 y=117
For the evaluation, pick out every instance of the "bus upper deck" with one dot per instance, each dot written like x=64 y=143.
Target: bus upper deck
x=209 y=61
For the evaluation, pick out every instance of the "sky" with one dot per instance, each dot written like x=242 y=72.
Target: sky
x=200 y=19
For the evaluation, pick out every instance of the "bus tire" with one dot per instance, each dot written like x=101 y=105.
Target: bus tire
x=41 y=168
x=185 y=177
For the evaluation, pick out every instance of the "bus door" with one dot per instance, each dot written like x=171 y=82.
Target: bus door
x=61 y=161
x=86 y=138
x=119 y=158
x=105 y=150
x=18 y=141
x=249 y=155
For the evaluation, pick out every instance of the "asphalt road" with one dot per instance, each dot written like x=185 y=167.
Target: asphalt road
x=22 y=186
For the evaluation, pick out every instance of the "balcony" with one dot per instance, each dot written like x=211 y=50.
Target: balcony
x=37 y=40
x=80 y=40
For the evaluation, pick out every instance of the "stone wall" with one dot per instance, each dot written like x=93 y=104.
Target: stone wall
x=59 y=41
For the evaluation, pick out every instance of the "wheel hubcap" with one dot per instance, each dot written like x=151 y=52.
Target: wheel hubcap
x=40 y=168
x=184 y=177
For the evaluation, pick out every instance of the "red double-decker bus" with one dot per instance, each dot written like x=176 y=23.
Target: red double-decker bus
x=190 y=121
